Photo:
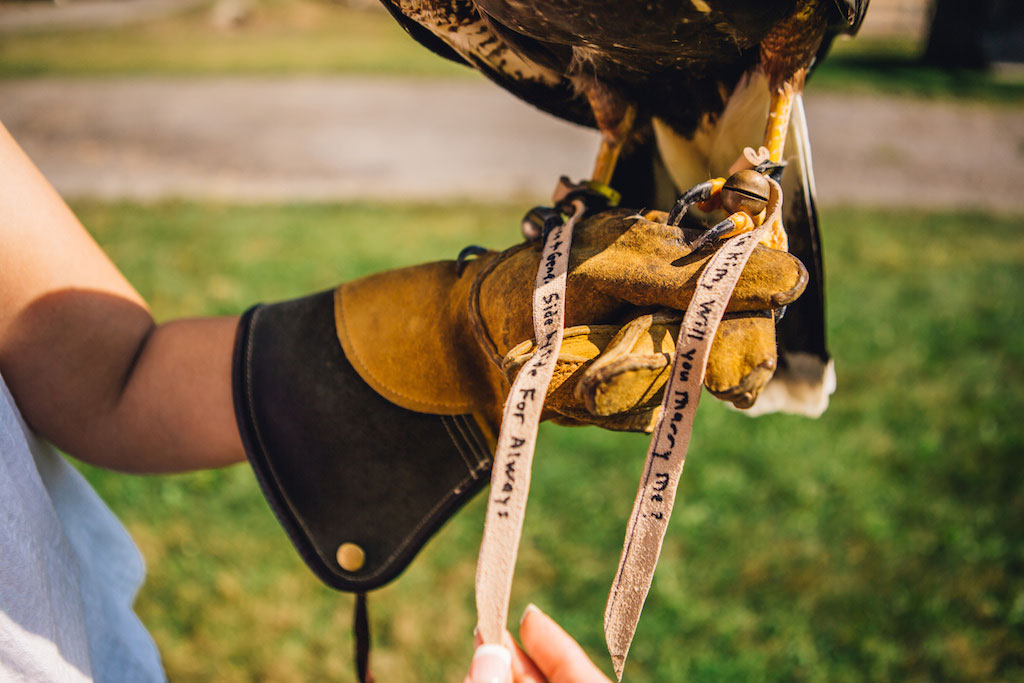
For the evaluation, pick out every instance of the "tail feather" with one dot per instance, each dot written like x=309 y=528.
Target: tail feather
x=805 y=377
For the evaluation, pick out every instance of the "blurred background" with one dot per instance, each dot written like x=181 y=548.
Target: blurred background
x=237 y=151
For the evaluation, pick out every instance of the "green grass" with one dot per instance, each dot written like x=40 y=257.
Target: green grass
x=884 y=541
x=319 y=37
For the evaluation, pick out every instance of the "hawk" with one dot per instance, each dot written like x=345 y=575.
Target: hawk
x=678 y=89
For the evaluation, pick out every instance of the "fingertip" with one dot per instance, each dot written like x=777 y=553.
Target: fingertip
x=530 y=609
x=794 y=292
x=539 y=632
x=536 y=627
x=491 y=664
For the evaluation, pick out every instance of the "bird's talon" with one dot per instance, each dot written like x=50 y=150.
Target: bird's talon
x=700 y=192
x=773 y=169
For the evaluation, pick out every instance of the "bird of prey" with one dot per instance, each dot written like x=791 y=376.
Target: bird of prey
x=678 y=89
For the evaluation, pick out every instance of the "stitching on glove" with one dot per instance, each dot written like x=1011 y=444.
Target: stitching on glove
x=476 y=320
x=266 y=461
x=428 y=518
x=458 y=442
x=469 y=428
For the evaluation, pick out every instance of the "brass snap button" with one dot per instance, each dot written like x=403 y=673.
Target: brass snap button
x=351 y=557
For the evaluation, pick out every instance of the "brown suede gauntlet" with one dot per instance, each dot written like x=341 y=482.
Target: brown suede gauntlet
x=358 y=483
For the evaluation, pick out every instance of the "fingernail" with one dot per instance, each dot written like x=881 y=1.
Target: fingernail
x=529 y=608
x=491 y=664
x=476 y=631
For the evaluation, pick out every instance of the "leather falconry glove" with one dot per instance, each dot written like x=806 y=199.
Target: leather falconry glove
x=432 y=340
x=618 y=371
x=369 y=412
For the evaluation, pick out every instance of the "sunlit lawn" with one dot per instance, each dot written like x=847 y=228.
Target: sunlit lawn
x=323 y=37
x=884 y=541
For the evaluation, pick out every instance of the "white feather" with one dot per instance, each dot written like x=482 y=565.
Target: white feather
x=803 y=387
x=718 y=141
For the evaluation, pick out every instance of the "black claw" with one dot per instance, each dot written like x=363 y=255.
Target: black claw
x=772 y=168
x=713 y=233
x=697 y=193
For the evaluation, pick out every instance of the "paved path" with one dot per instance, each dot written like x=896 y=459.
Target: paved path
x=270 y=139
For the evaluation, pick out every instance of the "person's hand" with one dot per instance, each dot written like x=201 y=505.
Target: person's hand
x=548 y=655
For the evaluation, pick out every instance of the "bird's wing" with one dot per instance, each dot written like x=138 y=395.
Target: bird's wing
x=851 y=14
x=421 y=35
x=457 y=31
x=845 y=21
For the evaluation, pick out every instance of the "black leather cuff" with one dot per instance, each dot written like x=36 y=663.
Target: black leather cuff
x=337 y=462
